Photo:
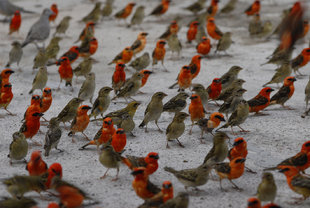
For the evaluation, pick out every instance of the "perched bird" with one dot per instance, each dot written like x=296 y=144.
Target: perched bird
x=185 y=78
x=24 y=202
x=177 y=103
x=40 y=80
x=88 y=48
x=40 y=59
x=150 y=162
x=224 y=42
x=55 y=170
x=31 y=125
x=195 y=110
x=192 y=31
x=144 y=188
x=253 y=9
x=131 y=87
x=267 y=189
x=15 y=22
x=125 y=12
x=231 y=90
x=200 y=90
x=72 y=54
x=84 y=68
x=68 y=113
x=284 y=93
x=212 y=9
x=46 y=99
x=5 y=76
x=54 y=9
x=118 y=77
x=52 y=136
x=228 y=78
x=127 y=124
x=102 y=102
x=65 y=71
x=88 y=88
x=119 y=140
x=139 y=43
x=53 y=48
x=124 y=56
x=153 y=110
x=229 y=7
x=301 y=60
x=192 y=177
x=109 y=159
x=36 y=165
x=280 y=56
x=282 y=72
x=159 y=53
x=40 y=30
x=208 y=124
x=196 y=6
x=6 y=97
x=214 y=89
x=204 y=46
x=232 y=170
x=107 y=9
x=80 y=122
x=219 y=150
x=94 y=15
x=15 y=54
x=239 y=149
x=161 y=8
x=176 y=128
x=260 y=101
x=18 y=147
x=307 y=93
x=180 y=201
x=138 y=16
x=213 y=30
x=174 y=44
x=232 y=103
x=63 y=26
x=146 y=73
x=141 y=62
x=34 y=106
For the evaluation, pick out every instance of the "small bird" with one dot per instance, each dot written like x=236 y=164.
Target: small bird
x=239 y=149
x=192 y=31
x=229 y=7
x=192 y=177
x=232 y=103
x=55 y=170
x=40 y=80
x=177 y=103
x=224 y=42
x=213 y=30
x=301 y=60
x=196 y=6
x=88 y=88
x=307 y=93
x=63 y=26
x=232 y=170
x=17 y=203
x=144 y=188
x=195 y=110
x=260 y=101
x=15 y=54
x=68 y=113
x=180 y=201
x=127 y=124
x=161 y=8
x=141 y=62
x=212 y=9
x=284 y=93
x=52 y=136
x=124 y=56
x=253 y=9
x=41 y=59
x=109 y=159
x=31 y=125
x=125 y=12
x=6 y=97
x=72 y=54
x=46 y=100
x=89 y=28
x=40 y=30
x=53 y=48
x=15 y=22
x=118 y=77
x=146 y=73
x=219 y=150
x=228 y=78
x=54 y=9
x=80 y=122
x=119 y=140
x=150 y=162
x=200 y=90
x=254 y=203
x=280 y=56
x=65 y=71
x=88 y=47
x=231 y=90
x=18 y=147
x=34 y=106
x=139 y=43
x=176 y=128
x=84 y=68
x=282 y=72
x=131 y=87
x=185 y=78
x=159 y=53
x=102 y=102
x=204 y=46
x=107 y=9
x=207 y=125
x=153 y=110
x=214 y=89
x=36 y=166
x=94 y=15
x=267 y=189
x=174 y=44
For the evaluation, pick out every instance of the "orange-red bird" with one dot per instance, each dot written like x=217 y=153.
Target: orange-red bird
x=119 y=140
x=72 y=54
x=284 y=93
x=150 y=162
x=124 y=13
x=52 y=17
x=5 y=76
x=195 y=65
x=254 y=203
x=34 y=107
x=54 y=170
x=172 y=29
x=31 y=125
x=15 y=22
x=159 y=52
x=119 y=77
x=36 y=166
x=53 y=205
x=146 y=73
x=195 y=110
x=90 y=49
x=301 y=60
x=162 y=197
x=260 y=101
x=124 y=56
x=253 y=9
x=212 y=9
x=141 y=184
x=306 y=27
x=140 y=43
x=46 y=99
x=6 y=97
x=80 y=122
x=65 y=71
x=213 y=30
x=204 y=46
x=185 y=78
x=192 y=31
x=161 y=8
x=239 y=149
x=214 y=89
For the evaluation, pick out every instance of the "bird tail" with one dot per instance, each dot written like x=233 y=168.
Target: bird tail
x=24 y=43
x=172 y=86
x=269 y=169
x=69 y=83
x=170 y=170
x=142 y=124
x=8 y=64
x=92 y=142
x=223 y=127
x=267 y=84
x=127 y=162
x=70 y=133
x=31 y=91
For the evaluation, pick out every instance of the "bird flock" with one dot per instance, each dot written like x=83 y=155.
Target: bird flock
x=155 y=100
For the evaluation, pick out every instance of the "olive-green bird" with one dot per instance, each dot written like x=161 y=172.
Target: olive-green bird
x=18 y=147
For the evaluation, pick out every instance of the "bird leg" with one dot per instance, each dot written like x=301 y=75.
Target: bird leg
x=232 y=130
x=249 y=170
x=190 y=131
x=167 y=146
x=116 y=178
x=146 y=129
x=180 y=144
x=105 y=174
x=242 y=130
x=201 y=138
x=86 y=137
x=158 y=126
x=11 y=114
x=221 y=187
x=235 y=186
x=59 y=150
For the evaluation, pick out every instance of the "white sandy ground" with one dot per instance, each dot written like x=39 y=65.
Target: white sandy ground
x=271 y=139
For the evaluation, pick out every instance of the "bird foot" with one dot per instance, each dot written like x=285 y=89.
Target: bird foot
x=202 y=140
x=104 y=176
x=115 y=179
x=250 y=171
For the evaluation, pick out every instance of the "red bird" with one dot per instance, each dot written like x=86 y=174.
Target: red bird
x=253 y=9
x=6 y=97
x=124 y=56
x=213 y=30
x=5 y=76
x=80 y=122
x=159 y=52
x=31 y=125
x=65 y=71
x=46 y=99
x=36 y=166
x=196 y=110
x=15 y=22
x=150 y=162
x=119 y=77
x=192 y=31
x=119 y=140
x=239 y=149
x=55 y=10
x=90 y=49
x=124 y=13
x=301 y=60
x=53 y=205
x=195 y=66
x=284 y=93
x=254 y=203
x=72 y=54
x=204 y=46
x=146 y=74
x=162 y=8
x=34 y=107
x=212 y=9
x=185 y=78
x=54 y=170
x=260 y=101
x=214 y=89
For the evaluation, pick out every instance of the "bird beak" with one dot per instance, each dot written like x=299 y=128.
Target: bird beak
x=222 y=119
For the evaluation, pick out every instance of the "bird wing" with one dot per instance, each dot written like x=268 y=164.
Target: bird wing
x=301 y=182
x=209 y=155
x=222 y=167
x=300 y=159
x=193 y=68
x=23 y=128
x=157 y=10
x=297 y=61
x=136 y=161
x=257 y=101
x=136 y=44
x=283 y=92
x=152 y=188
